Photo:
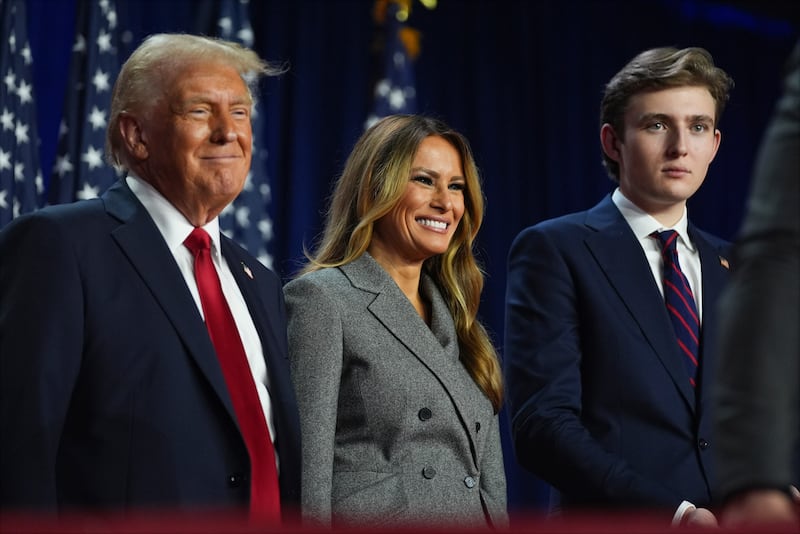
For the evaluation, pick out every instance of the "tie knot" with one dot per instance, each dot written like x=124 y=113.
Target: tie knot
x=668 y=239
x=197 y=241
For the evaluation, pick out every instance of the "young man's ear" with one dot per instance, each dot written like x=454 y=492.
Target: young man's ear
x=610 y=141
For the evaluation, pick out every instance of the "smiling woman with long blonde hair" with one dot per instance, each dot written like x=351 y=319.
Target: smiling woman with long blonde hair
x=398 y=383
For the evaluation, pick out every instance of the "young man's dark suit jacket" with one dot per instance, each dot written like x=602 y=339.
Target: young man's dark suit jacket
x=599 y=397
x=111 y=394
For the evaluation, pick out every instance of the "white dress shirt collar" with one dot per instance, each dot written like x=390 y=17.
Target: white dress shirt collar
x=172 y=224
x=644 y=224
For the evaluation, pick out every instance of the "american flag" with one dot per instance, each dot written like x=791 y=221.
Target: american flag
x=247 y=219
x=80 y=171
x=395 y=90
x=21 y=183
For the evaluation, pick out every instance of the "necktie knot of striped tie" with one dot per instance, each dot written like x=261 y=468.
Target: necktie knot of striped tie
x=680 y=303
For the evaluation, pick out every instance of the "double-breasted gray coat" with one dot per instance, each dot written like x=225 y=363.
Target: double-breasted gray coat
x=394 y=429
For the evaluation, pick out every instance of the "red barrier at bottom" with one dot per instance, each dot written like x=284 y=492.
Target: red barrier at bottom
x=212 y=523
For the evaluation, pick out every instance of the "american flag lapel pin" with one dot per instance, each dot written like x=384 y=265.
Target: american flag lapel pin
x=724 y=262
x=247 y=271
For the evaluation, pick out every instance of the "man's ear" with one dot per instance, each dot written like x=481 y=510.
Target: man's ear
x=717 y=141
x=133 y=137
x=610 y=142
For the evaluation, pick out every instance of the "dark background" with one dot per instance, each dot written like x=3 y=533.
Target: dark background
x=522 y=79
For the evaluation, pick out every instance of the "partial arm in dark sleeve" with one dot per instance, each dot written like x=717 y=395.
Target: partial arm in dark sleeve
x=759 y=360
x=41 y=345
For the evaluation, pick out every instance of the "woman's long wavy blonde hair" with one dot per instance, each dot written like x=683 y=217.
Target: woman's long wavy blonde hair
x=373 y=181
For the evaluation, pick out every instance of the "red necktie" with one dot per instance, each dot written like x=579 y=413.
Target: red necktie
x=680 y=302
x=264 y=492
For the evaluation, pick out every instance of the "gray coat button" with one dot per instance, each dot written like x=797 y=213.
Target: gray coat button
x=429 y=472
x=469 y=482
x=425 y=414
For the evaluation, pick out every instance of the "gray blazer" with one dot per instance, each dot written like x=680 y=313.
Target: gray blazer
x=394 y=429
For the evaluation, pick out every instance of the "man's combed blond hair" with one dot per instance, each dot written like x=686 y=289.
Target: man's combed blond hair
x=145 y=76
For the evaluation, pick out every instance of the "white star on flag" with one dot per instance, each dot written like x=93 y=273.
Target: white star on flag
x=87 y=192
x=79 y=170
x=20 y=175
x=97 y=118
x=93 y=157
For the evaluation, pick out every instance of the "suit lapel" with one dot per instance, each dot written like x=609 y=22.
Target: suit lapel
x=436 y=349
x=242 y=273
x=620 y=257
x=714 y=270
x=142 y=243
x=255 y=304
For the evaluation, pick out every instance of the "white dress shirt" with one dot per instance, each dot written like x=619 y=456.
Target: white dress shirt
x=643 y=225
x=175 y=228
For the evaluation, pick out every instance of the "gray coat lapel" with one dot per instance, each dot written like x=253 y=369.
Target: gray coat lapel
x=436 y=347
x=142 y=243
x=621 y=259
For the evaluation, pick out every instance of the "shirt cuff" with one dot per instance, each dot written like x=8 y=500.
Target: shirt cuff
x=684 y=507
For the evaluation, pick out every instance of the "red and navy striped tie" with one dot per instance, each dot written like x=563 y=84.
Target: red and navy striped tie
x=680 y=302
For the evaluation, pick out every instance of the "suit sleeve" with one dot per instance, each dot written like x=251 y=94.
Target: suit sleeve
x=41 y=345
x=315 y=352
x=543 y=364
x=759 y=348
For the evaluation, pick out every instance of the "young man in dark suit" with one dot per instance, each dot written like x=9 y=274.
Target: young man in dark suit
x=608 y=399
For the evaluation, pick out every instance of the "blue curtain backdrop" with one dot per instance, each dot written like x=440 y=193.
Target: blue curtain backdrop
x=522 y=79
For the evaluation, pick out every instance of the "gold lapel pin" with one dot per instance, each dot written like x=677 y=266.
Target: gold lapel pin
x=724 y=262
